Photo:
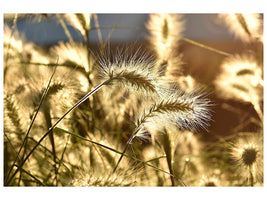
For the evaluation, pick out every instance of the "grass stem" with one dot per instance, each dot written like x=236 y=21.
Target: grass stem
x=31 y=124
x=56 y=123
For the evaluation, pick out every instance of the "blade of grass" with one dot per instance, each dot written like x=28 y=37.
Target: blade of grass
x=29 y=174
x=111 y=149
x=56 y=123
x=116 y=151
x=98 y=151
x=12 y=147
x=205 y=46
x=168 y=151
x=59 y=161
x=48 y=120
x=31 y=124
x=126 y=147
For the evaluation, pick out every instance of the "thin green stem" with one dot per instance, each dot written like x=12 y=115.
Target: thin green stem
x=61 y=159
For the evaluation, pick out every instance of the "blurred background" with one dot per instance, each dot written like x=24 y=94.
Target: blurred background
x=48 y=32
x=202 y=64
x=204 y=45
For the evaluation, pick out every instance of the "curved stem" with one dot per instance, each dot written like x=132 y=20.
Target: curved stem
x=126 y=147
x=114 y=150
x=56 y=123
x=31 y=124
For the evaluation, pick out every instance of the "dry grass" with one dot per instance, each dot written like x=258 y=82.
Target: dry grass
x=133 y=115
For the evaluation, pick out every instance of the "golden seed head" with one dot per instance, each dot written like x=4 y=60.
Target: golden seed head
x=241 y=78
x=246 y=27
x=79 y=21
x=72 y=54
x=132 y=70
x=164 y=29
x=247 y=152
x=173 y=106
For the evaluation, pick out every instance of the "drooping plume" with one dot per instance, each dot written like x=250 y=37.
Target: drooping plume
x=247 y=27
x=241 y=79
x=165 y=30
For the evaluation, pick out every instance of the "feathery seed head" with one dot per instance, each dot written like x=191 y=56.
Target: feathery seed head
x=13 y=119
x=186 y=111
x=15 y=47
x=134 y=71
x=243 y=66
x=170 y=68
x=123 y=178
x=247 y=27
x=75 y=54
x=186 y=83
x=247 y=151
x=79 y=21
x=163 y=29
x=14 y=40
x=209 y=181
x=197 y=114
x=241 y=78
x=249 y=155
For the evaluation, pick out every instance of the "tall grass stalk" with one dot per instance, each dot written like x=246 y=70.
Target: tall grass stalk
x=168 y=151
x=166 y=109
x=116 y=151
x=121 y=75
x=185 y=111
x=31 y=124
x=56 y=123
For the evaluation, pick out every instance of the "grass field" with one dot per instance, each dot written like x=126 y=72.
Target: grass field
x=167 y=111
